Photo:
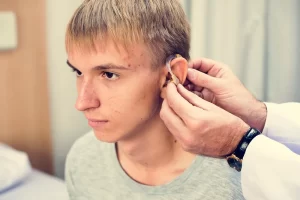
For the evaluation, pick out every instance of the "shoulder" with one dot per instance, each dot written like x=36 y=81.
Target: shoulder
x=84 y=141
x=87 y=158
x=86 y=149
x=223 y=171
x=219 y=175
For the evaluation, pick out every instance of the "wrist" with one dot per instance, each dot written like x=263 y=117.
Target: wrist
x=256 y=118
x=235 y=159
x=237 y=136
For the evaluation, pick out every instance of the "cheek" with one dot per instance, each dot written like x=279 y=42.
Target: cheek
x=115 y=101
x=145 y=99
x=134 y=102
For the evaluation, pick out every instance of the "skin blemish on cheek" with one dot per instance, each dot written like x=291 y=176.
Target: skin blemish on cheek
x=116 y=111
x=140 y=99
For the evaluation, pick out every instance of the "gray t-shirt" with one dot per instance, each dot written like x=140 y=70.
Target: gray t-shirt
x=93 y=172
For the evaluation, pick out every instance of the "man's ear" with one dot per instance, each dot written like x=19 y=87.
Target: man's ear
x=179 y=67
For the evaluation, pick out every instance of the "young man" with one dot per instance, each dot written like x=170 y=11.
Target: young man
x=118 y=50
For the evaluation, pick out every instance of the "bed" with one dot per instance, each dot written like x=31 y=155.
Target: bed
x=20 y=181
x=37 y=186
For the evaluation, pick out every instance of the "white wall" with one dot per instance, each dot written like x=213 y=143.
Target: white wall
x=67 y=124
x=258 y=39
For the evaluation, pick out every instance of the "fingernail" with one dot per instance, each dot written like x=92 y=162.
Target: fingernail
x=191 y=74
x=170 y=84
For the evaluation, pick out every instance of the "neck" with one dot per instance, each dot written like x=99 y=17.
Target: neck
x=152 y=147
x=152 y=156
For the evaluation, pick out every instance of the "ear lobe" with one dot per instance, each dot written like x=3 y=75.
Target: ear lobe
x=179 y=68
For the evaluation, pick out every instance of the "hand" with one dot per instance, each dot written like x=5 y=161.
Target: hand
x=215 y=82
x=200 y=126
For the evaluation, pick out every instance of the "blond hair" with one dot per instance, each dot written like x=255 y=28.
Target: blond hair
x=160 y=24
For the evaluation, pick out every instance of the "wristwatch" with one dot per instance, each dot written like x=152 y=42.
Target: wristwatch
x=236 y=158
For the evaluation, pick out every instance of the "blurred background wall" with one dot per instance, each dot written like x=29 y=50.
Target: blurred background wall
x=258 y=39
x=24 y=97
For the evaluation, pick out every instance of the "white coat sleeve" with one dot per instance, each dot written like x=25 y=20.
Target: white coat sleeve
x=271 y=165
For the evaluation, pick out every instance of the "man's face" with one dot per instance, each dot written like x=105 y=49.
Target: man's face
x=118 y=90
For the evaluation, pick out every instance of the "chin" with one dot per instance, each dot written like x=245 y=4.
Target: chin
x=106 y=137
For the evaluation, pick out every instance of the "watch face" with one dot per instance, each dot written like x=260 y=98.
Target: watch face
x=234 y=163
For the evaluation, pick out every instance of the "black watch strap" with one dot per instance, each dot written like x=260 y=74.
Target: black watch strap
x=235 y=159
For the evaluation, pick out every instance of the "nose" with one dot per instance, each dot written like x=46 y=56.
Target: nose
x=87 y=98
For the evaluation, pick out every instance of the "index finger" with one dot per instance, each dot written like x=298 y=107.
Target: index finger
x=172 y=121
x=178 y=103
x=205 y=65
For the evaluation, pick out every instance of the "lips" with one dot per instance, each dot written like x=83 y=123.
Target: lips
x=95 y=123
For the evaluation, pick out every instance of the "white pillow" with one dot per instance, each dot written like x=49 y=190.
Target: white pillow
x=14 y=167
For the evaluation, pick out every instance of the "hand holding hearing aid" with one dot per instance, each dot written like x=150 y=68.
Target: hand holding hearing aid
x=216 y=83
x=212 y=117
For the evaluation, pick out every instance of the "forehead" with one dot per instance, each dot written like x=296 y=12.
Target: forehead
x=132 y=56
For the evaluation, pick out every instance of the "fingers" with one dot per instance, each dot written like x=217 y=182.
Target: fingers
x=172 y=121
x=201 y=80
x=199 y=94
x=194 y=99
x=198 y=88
x=205 y=65
x=178 y=104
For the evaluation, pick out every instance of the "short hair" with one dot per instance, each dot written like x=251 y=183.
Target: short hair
x=159 y=24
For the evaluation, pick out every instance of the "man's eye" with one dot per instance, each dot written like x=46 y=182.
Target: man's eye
x=78 y=73
x=110 y=76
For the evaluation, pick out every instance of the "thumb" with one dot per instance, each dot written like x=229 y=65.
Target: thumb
x=201 y=79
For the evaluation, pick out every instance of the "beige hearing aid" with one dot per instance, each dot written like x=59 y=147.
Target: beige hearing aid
x=172 y=77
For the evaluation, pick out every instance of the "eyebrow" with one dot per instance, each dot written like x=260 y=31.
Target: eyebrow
x=102 y=67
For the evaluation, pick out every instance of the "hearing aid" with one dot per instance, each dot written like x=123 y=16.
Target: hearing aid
x=171 y=75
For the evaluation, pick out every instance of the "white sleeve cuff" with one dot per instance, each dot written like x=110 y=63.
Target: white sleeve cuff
x=283 y=124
